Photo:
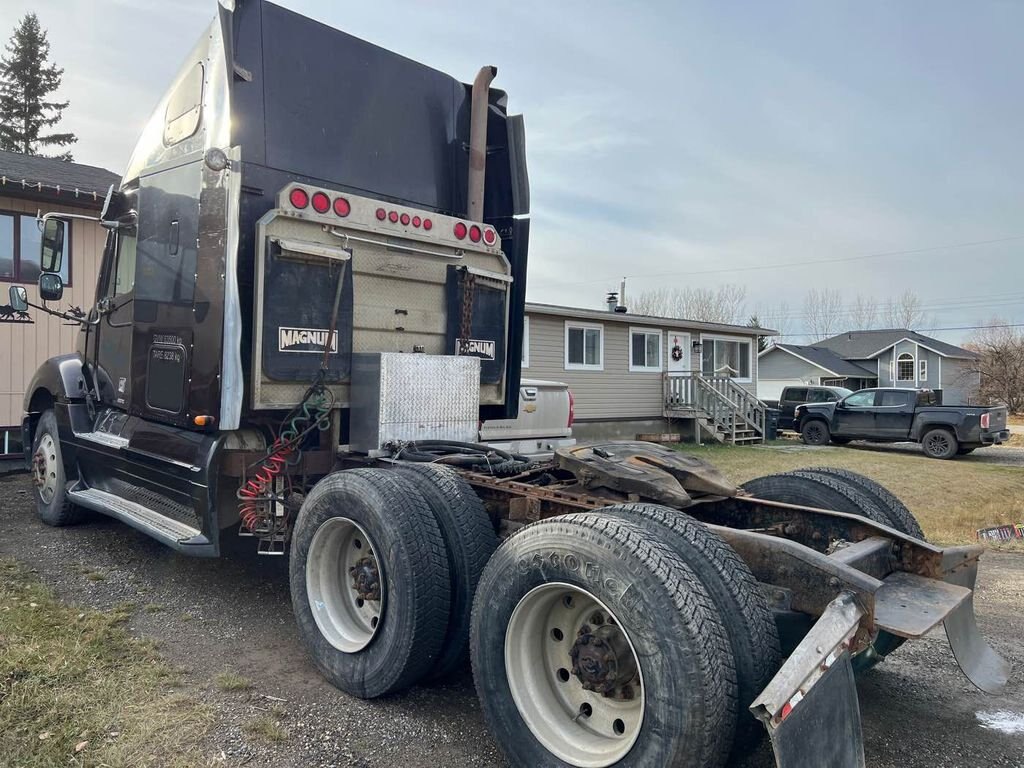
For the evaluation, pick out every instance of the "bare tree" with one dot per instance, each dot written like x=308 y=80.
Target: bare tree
x=823 y=312
x=778 y=318
x=906 y=311
x=863 y=313
x=1000 y=362
x=722 y=305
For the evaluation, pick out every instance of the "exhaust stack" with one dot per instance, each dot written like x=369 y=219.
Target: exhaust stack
x=478 y=144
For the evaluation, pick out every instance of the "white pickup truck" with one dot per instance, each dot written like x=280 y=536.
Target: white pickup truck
x=543 y=425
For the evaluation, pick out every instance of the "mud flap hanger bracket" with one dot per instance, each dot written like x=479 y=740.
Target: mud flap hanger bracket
x=810 y=707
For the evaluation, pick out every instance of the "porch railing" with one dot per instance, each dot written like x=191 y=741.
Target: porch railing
x=720 y=398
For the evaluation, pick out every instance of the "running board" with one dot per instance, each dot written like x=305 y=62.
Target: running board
x=173 y=533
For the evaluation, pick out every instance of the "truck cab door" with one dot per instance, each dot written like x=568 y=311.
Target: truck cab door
x=894 y=414
x=855 y=415
x=109 y=355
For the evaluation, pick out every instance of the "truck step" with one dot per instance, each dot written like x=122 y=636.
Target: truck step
x=165 y=529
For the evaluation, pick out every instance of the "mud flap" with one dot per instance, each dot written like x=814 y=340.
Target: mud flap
x=810 y=707
x=977 y=659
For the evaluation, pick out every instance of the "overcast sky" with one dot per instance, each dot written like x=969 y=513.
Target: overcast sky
x=685 y=143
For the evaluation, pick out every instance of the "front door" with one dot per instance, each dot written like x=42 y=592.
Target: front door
x=855 y=415
x=110 y=352
x=678 y=352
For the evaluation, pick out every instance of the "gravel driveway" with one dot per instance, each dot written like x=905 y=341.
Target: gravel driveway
x=234 y=614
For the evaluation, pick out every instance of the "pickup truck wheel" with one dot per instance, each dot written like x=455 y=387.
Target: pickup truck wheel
x=749 y=622
x=369 y=581
x=939 y=443
x=900 y=517
x=815 y=432
x=48 y=477
x=815 y=489
x=469 y=541
x=594 y=644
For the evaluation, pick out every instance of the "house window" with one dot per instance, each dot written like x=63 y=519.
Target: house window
x=922 y=370
x=725 y=357
x=584 y=347
x=19 y=249
x=905 y=367
x=526 y=343
x=644 y=350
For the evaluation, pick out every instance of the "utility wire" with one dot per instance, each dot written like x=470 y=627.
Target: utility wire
x=787 y=265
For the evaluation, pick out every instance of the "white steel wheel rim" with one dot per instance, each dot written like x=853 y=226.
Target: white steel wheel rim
x=584 y=728
x=44 y=468
x=345 y=619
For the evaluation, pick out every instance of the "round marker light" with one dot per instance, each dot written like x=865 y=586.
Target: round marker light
x=459 y=230
x=321 y=202
x=381 y=214
x=416 y=221
x=298 y=198
x=341 y=206
x=393 y=217
x=428 y=224
x=405 y=219
x=474 y=233
x=489 y=236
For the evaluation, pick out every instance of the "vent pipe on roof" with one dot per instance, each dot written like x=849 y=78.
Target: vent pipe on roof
x=478 y=144
x=621 y=308
x=612 y=299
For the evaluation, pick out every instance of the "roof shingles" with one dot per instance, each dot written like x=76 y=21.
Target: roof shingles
x=32 y=170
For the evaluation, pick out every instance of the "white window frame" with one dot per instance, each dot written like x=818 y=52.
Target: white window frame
x=574 y=324
x=898 y=360
x=922 y=369
x=525 y=363
x=661 y=350
x=751 y=346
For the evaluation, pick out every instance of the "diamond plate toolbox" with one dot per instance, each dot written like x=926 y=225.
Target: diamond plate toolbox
x=401 y=396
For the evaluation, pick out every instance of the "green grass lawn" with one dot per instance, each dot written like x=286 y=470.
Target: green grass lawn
x=951 y=499
x=76 y=689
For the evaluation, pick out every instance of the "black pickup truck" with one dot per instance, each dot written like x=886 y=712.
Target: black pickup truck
x=901 y=415
x=791 y=397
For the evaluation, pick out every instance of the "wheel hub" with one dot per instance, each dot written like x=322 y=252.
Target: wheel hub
x=44 y=468
x=366 y=578
x=602 y=660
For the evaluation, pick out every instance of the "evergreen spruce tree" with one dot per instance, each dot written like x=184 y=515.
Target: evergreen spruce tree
x=26 y=80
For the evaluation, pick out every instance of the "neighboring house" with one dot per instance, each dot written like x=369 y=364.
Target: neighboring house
x=894 y=357
x=616 y=363
x=29 y=185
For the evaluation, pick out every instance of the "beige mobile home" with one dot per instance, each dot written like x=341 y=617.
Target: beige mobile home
x=27 y=184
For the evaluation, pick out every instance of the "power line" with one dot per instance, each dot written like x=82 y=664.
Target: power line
x=918 y=330
x=787 y=265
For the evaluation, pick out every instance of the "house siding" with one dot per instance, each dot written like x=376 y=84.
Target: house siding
x=25 y=346
x=777 y=364
x=959 y=384
x=614 y=393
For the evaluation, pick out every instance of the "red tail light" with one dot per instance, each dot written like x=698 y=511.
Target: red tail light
x=393 y=217
x=986 y=420
x=459 y=230
x=489 y=236
x=572 y=408
x=321 y=202
x=474 y=233
x=298 y=198
x=428 y=224
x=416 y=221
x=405 y=219
x=341 y=206
x=381 y=214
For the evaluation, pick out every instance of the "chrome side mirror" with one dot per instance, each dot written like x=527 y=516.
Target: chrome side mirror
x=51 y=287
x=18 y=297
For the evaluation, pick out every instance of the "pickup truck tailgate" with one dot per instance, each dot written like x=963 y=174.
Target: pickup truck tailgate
x=543 y=413
x=996 y=419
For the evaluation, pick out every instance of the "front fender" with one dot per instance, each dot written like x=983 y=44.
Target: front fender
x=60 y=378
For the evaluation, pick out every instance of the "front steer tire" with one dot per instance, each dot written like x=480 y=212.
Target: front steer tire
x=51 y=496
x=688 y=687
x=388 y=515
x=815 y=432
x=469 y=540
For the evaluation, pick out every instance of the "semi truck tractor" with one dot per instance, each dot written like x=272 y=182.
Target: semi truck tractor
x=311 y=296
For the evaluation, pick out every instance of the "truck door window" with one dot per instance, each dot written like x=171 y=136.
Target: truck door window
x=796 y=394
x=124 y=272
x=894 y=399
x=860 y=400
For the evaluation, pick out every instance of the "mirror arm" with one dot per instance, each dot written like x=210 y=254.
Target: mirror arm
x=62 y=315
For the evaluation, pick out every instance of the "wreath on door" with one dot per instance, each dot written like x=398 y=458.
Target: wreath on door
x=677 y=353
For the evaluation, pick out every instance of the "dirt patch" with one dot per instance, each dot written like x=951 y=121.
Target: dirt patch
x=227 y=625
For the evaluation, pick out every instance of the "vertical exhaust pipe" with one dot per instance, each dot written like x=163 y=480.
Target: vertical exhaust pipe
x=478 y=144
